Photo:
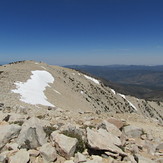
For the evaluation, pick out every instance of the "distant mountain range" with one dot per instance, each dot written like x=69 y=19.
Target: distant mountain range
x=55 y=114
x=140 y=81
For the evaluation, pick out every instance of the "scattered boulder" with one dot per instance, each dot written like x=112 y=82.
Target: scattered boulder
x=48 y=152
x=103 y=140
x=65 y=145
x=33 y=152
x=159 y=148
x=110 y=128
x=14 y=117
x=142 y=159
x=133 y=131
x=3 y=157
x=32 y=134
x=118 y=123
x=22 y=156
x=79 y=158
x=12 y=146
x=8 y=132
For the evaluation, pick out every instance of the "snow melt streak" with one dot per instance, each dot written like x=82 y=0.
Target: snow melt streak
x=123 y=96
x=32 y=91
x=113 y=91
x=90 y=78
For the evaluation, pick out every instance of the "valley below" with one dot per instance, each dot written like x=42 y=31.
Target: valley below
x=55 y=114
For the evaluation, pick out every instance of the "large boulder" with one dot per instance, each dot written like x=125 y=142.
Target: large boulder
x=65 y=145
x=32 y=134
x=103 y=140
x=14 y=117
x=133 y=131
x=22 y=156
x=118 y=123
x=48 y=152
x=110 y=128
x=8 y=132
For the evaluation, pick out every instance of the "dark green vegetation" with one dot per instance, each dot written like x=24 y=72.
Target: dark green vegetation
x=48 y=130
x=140 y=81
x=81 y=144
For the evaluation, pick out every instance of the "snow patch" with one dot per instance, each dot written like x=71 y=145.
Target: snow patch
x=113 y=91
x=123 y=96
x=73 y=73
x=132 y=105
x=32 y=91
x=92 y=79
x=81 y=92
x=79 y=74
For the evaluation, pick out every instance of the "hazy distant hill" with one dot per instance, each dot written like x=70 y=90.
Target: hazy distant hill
x=141 y=81
x=55 y=114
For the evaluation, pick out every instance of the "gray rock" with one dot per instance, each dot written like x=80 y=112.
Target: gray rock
x=65 y=145
x=8 y=132
x=48 y=152
x=79 y=158
x=2 y=115
x=32 y=134
x=17 y=117
x=33 y=152
x=3 y=157
x=103 y=140
x=22 y=156
x=110 y=128
x=133 y=131
x=12 y=146
x=118 y=123
x=160 y=147
x=95 y=159
x=142 y=159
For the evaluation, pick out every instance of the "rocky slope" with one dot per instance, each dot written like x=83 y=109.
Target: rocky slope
x=83 y=121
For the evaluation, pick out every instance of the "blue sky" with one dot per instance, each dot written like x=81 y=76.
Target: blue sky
x=96 y=32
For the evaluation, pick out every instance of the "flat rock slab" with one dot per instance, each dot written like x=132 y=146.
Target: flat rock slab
x=22 y=156
x=32 y=134
x=48 y=152
x=111 y=128
x=133 y=131
x=65 y=145
x=8 y=132
x=103 y=140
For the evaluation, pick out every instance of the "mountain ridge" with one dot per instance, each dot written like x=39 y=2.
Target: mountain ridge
x=100 y=124
x=132 y=79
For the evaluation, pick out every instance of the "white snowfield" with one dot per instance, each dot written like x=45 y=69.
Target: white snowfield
x=32 y=91
x=92 y=79
x=123 y=96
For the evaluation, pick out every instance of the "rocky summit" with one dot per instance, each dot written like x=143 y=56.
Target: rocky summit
x=55 y=114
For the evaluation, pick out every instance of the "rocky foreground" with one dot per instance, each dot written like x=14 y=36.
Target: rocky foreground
x=63 y=136
x=53 y=114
